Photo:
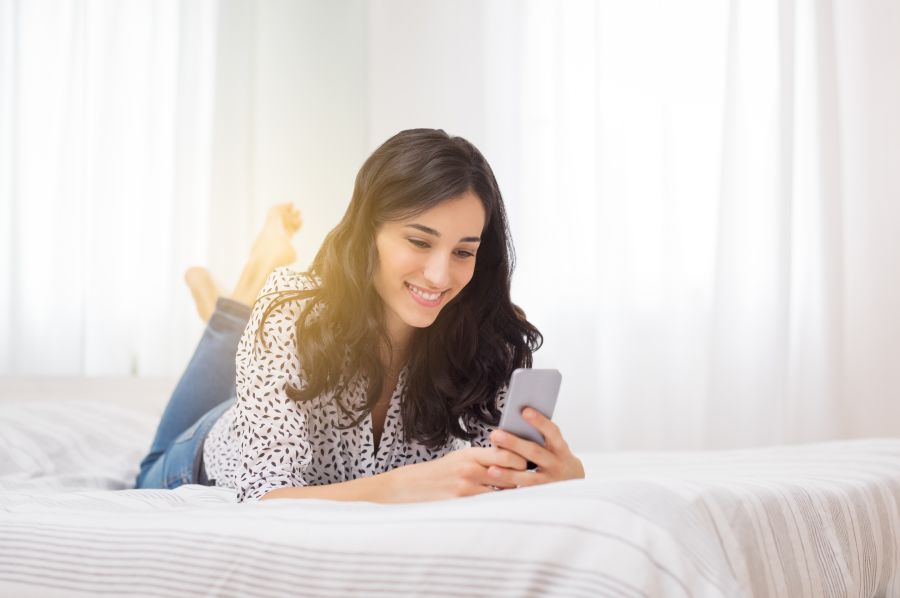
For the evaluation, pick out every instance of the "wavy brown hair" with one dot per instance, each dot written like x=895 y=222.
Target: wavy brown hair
x=457 y=364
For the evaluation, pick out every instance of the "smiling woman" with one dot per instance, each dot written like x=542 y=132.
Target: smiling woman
x=366 y=377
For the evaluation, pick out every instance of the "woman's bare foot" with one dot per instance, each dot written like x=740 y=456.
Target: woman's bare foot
x=203 y=289
x=271 y=249
x=273 y=243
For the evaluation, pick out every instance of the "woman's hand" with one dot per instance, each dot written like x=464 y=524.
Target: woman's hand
x=554 y=460
x=461 y=473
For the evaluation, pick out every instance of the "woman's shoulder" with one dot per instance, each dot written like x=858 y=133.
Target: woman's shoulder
x=276 y=311
x=283 y=298
x=287 y=279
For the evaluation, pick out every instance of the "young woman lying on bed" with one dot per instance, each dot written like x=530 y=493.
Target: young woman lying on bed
x=367 y=377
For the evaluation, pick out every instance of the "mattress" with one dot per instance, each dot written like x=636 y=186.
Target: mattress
x=814 y=520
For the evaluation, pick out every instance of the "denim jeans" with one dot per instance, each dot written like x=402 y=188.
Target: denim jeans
x=206 y=389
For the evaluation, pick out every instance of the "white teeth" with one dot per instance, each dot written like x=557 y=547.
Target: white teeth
x=424 y=295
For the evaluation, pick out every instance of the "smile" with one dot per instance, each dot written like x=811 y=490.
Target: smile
x=423 y=297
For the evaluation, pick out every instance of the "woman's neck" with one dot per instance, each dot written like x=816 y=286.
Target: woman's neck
x=393 y=358
x=400 y=335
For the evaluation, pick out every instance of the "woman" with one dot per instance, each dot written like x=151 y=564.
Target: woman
x=365 y=378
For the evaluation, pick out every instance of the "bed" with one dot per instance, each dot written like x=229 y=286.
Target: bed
x=815 y=520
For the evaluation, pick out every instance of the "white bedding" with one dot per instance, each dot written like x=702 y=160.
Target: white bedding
x=805 y=521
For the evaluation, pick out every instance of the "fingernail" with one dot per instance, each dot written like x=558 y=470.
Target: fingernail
x=498 y=435
x=528 y=413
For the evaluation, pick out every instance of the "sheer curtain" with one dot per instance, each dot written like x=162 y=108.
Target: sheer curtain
x=105 y=118
x=614 y=193
x=703 y=195
x=688 y=240
x=139 y=138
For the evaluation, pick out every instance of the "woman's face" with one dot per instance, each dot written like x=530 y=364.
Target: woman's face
x=425 y=261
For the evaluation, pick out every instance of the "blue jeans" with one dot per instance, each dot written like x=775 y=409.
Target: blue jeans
x=206 y=389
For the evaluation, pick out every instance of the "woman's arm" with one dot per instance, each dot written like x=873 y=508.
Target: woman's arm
x=275 y=450
x=461 y=473
x=376 y=488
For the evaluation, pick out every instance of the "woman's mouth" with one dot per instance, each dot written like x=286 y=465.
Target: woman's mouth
x=423 y=297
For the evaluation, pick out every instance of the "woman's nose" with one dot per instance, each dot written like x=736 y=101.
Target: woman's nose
x=437 y=271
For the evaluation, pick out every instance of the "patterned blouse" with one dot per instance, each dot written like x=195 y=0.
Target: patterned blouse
x=268 y=441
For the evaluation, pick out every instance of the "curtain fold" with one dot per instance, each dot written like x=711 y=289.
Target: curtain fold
x=105 y=200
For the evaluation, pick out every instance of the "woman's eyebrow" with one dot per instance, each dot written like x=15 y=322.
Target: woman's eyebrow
x=431 y=231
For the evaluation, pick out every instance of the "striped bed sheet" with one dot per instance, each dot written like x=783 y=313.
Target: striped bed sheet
x=815 y=520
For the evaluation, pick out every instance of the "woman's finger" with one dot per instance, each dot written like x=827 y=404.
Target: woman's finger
x=494 y=455
x=525 y=448
x=553 y=440
x=511 y=478
x=498 y=477
x=508 y=459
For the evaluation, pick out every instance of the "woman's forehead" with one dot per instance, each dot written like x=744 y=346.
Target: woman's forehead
x=460 y=216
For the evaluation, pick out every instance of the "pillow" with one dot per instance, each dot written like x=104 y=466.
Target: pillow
x=64 y=444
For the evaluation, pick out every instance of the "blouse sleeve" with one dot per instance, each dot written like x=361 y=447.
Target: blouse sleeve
x=481 y=429
x=274 y=444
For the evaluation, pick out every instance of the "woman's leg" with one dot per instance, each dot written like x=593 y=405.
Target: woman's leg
x=182 y=462
x=208 y=380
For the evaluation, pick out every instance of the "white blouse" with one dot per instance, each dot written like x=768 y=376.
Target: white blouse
x=268 y=441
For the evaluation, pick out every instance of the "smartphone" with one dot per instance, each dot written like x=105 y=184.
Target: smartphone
x=537 y=389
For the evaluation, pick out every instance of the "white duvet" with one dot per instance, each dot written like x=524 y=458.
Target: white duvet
x=814 y=521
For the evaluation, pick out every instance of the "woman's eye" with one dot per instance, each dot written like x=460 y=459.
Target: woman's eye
x=461 y=253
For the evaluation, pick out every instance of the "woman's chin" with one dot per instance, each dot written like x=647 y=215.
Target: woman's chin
x=420 y=320
x=423 y=323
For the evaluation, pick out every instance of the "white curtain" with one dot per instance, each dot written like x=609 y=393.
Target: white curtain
x=703 y=195
x=141 y=137
x=675 y=174
x=105 y=114
x=614 y=201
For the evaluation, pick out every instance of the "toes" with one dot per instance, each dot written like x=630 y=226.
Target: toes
x=294 y=221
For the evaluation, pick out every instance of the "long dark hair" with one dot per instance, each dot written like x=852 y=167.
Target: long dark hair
x=457 y=364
